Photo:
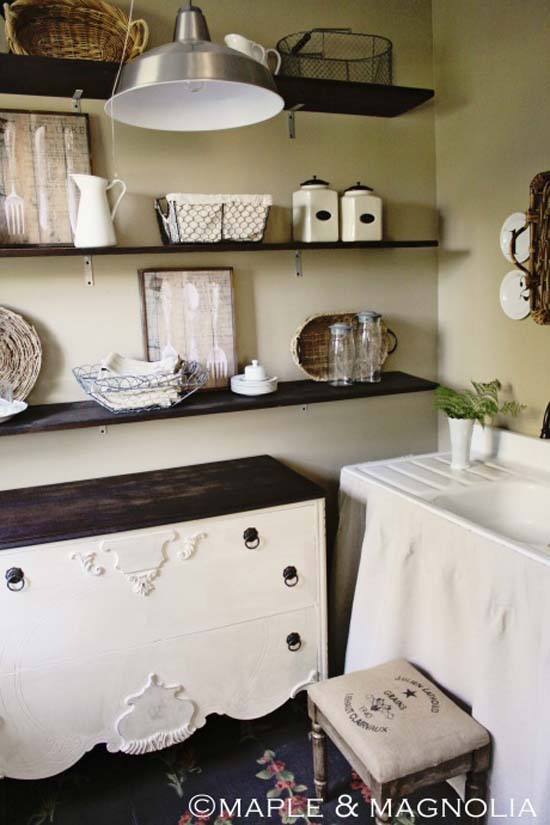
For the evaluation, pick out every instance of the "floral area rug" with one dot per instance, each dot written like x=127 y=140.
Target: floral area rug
x=261 y=769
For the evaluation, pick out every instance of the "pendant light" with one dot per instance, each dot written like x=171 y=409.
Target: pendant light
x=193 y=84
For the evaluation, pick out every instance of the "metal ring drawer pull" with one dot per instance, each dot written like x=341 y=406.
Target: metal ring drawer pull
x=251 y=538
x=290 y=575
x=15 y=579
x=294 y=642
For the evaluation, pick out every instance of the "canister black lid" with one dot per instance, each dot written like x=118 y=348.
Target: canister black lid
x=315 y=181
x=359 y=187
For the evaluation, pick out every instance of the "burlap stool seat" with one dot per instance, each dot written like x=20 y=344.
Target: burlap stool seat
x=399 y=732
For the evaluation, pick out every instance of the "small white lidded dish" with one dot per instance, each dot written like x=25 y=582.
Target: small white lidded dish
x=253 y=381
x=10 y=408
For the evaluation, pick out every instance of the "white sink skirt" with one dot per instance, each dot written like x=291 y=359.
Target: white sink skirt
x=470 y=610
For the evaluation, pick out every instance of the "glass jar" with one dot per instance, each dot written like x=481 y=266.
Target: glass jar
x=341 y=355
x=369 y=346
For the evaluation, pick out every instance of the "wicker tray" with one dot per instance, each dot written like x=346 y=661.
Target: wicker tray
x=20 y=353
x=310 y=346
x=77 y=29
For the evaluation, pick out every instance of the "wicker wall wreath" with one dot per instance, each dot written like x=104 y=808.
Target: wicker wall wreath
x=310 y=345
x=20 y=353
x=538 y=271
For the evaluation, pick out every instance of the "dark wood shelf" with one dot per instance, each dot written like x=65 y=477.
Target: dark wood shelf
x=37 y=251
x=81 y=414
x=339 y=97
x=53 y=77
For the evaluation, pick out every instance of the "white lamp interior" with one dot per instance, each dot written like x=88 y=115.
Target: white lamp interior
x=194 y=105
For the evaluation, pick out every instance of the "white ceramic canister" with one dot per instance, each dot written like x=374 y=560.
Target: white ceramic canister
x=315 y=212
x=360 y=214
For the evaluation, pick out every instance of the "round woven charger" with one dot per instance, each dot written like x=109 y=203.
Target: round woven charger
x=20 y=353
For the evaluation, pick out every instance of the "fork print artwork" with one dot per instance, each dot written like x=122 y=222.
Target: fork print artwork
x=191 y=312
x=38 y=151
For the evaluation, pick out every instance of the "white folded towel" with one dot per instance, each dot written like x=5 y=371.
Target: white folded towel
x=137 y=399
x=117 y=364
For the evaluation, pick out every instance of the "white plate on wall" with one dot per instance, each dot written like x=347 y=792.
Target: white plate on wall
x=515 y=221
x=514 y=296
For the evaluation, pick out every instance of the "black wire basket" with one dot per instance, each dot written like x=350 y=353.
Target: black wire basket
x=337 y=54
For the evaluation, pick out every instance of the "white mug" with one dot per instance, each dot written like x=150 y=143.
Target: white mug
x=253 y=50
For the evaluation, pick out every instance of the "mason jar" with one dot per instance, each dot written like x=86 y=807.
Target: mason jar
x=341 y=355
x=369 y=347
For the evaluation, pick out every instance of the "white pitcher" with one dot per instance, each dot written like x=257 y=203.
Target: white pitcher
x=94 y=225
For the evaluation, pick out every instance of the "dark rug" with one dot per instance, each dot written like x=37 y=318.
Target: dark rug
x=248 y=764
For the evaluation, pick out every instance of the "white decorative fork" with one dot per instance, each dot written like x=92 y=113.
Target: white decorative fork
x=14 y=205
x=216 y=363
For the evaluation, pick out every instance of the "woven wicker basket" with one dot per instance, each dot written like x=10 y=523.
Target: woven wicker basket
x=78 y=29
x=20 y=353
x=310 y=346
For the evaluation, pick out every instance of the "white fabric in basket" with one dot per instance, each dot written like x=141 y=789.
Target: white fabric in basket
x=193 y=198
x=117 y=364
x=139 y=399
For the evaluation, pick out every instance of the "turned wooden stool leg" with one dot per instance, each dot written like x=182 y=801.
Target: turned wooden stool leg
x=476 y=788
x=319 y=743
x=380 y=807
x=381 y=819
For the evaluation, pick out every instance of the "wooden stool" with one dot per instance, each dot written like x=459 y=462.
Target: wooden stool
x=399 y=732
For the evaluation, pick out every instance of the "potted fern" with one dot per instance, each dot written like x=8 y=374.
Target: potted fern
x=464 y=408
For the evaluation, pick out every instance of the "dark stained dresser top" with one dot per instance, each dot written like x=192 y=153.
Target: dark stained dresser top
x=36 y=515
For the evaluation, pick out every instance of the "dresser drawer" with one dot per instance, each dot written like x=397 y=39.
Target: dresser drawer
x=92 y=596
x=244 y=671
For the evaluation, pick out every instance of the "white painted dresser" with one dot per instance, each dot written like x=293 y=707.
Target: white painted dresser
x=132 y=607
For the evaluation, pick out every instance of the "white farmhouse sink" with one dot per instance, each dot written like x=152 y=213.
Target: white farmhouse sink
x=519 y=510
x=504 y=494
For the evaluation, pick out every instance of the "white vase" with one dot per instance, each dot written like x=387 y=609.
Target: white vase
x=461 y=430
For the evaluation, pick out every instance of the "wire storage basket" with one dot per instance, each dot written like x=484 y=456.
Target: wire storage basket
x=193 y=218
x=337 y=54
x=137 y=393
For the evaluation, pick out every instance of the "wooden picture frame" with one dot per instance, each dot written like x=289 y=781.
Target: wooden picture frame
x=191 y=311
x=38 y=153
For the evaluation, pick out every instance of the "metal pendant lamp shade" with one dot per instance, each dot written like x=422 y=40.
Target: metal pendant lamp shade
x=194 y=85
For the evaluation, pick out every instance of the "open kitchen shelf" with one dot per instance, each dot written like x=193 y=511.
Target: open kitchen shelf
x=54 y=77
x=71 y=251
x=81 y=414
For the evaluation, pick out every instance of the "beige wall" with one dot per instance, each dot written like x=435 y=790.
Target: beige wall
x=79 y=324
x=492 y=62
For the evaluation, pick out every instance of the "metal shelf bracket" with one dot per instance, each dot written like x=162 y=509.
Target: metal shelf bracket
x=291 y=125
x=292 y=120
x=298 y=263
x=89 y=270
x=77 y=100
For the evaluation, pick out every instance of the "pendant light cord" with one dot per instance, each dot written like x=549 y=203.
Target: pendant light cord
x=117 y=78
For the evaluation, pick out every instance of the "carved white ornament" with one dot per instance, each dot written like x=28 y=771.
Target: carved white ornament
x=140 y=558
x=142 y=583
x=190 y=544
x=158 y=718
x=87 y=562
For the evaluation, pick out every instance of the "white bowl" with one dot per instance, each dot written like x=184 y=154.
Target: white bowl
x=245 y=386
x=10 y=408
